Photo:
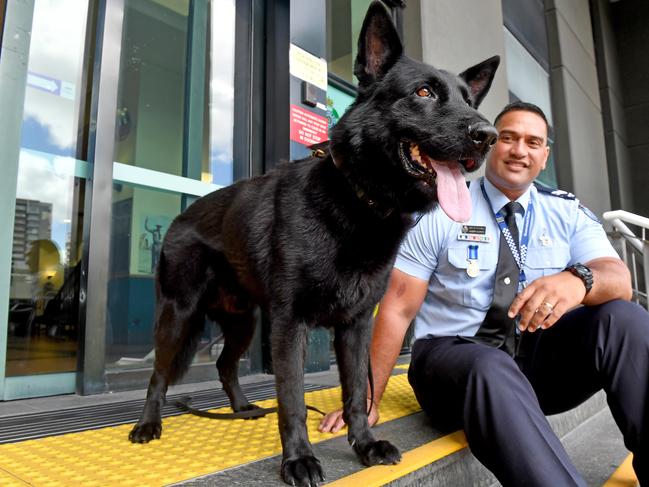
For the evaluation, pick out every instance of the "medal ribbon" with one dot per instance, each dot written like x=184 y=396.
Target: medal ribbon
x=521 y=257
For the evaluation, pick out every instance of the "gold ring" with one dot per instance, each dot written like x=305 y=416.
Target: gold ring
x=548 y=305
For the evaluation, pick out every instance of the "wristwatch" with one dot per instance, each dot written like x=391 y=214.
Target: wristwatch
x=583 y=273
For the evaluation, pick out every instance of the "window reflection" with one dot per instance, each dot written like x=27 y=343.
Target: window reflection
x=43 y=305
x=175 y=115
x=158 y=127
x=222 y=92
x=344 y=21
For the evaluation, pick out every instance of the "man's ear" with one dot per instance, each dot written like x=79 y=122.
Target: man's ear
x=547 y=156
x=479 y=78
x=379 y=45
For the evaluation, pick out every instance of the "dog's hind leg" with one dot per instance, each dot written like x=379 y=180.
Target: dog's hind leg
x=238 y=330
x=352 y=350
x=176 y=337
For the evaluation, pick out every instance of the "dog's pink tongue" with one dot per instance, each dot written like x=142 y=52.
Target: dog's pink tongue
x=452 y=192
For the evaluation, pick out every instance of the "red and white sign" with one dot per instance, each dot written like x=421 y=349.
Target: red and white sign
x=307 y=128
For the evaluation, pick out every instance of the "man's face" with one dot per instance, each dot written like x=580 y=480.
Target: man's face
x=520 y=152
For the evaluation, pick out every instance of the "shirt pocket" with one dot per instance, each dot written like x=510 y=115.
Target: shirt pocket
x=477 y=292
x=546 y=261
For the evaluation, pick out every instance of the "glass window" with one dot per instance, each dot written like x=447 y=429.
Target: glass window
x=173 y=55
x=174 y=141
x=47 y=237
x=344 y=21
x=526 y=20
x=528 y=81
x=141 y=218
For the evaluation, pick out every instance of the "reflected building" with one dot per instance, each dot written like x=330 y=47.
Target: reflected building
x=33 y=221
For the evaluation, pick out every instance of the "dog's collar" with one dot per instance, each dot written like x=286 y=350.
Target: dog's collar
x=381 y=211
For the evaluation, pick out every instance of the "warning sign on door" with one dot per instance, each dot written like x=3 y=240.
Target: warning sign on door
x=307 y=128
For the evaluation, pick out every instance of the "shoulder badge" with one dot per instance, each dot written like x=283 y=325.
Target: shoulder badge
x=589 y=213
x=541 y=188
x=559 y=193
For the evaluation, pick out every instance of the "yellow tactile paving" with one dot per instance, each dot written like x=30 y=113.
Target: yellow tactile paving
x=190 y=446
x=624 y=476
x=8 y=480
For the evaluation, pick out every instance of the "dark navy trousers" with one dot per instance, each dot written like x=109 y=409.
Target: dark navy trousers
x=501 y=402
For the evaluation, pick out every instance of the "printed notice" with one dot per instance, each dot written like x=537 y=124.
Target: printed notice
x=307 y=128
x=307 y=67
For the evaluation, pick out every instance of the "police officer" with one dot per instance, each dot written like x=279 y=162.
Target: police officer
x=493 y=366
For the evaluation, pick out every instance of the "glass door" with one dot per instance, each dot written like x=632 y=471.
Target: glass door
x=41 y=153
x=92 y=180
x=172 y=143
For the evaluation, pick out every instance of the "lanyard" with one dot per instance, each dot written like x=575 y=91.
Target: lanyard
x=521 y=257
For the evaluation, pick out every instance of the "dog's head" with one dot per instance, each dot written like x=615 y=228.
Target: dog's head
x=413 y=131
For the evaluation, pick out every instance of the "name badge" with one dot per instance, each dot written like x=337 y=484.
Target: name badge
x=474 y=229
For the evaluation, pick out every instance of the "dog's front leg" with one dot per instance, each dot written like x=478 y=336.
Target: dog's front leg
x=299 y=466
x=352 y=351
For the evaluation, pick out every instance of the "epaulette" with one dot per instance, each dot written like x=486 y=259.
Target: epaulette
x=541 y=188
x=559 y=193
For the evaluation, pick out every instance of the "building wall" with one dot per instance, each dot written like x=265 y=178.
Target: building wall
x=629 y=20
x=611 y=96
x=456 y=34
x=579 y=150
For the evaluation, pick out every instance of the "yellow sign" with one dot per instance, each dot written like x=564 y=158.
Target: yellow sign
x=307 y=67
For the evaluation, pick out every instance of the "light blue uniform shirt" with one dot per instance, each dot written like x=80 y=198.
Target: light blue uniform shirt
x=561 y=234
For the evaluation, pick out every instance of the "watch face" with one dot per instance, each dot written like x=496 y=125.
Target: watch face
x=584 y=273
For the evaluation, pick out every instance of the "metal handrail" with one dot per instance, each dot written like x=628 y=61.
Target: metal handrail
x=618 y=220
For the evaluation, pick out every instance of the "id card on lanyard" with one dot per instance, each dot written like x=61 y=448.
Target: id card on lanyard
x=521 y=256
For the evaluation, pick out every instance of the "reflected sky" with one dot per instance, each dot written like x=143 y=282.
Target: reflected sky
x=50 y=121
x=222 y=91
x=50 y=118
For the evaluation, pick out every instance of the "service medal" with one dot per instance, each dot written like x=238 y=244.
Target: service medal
x=473 y=269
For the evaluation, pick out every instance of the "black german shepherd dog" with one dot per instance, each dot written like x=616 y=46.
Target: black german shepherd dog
x=313 y=242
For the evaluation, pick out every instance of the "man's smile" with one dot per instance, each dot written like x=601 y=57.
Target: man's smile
x=514 y=164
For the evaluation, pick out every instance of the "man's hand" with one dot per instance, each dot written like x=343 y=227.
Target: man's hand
x=546 y=300
x=333 y=422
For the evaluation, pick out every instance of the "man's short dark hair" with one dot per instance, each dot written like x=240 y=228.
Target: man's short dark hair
x=523 y=106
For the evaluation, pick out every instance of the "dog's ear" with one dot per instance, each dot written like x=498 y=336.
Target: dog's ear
x=379 y=45
x=479 y=78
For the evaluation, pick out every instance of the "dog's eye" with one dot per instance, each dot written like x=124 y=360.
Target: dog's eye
x=425 y=91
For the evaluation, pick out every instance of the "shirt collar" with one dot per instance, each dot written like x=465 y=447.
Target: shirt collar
x=498 y=200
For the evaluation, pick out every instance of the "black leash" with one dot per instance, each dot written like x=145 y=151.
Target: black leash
x=184 y=405
x=370 y=377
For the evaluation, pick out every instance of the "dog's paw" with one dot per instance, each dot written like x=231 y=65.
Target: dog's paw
x=304 y=471
x=144 y=433
x=378 y=453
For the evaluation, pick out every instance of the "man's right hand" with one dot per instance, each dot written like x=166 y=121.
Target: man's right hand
x=333 y=422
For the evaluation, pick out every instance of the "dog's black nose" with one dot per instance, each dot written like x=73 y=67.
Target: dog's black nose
x=483 y=135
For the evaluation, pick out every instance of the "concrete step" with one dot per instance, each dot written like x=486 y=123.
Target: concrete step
x=588 y=432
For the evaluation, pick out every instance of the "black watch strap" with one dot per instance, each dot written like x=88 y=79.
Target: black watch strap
x=583 y=273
